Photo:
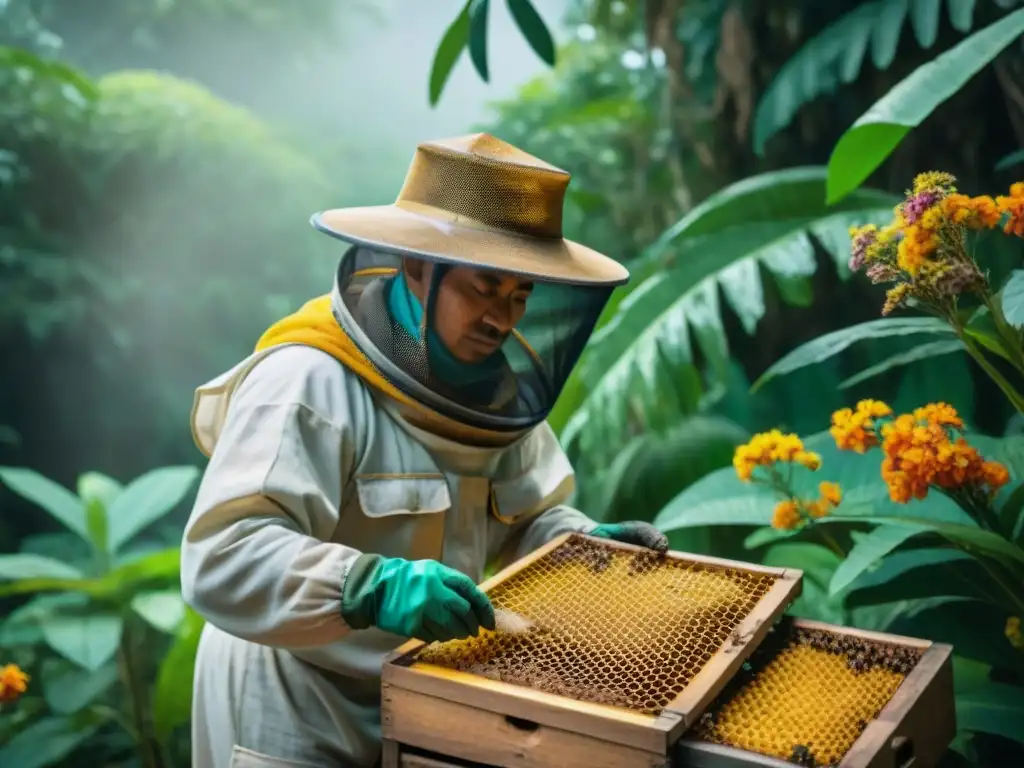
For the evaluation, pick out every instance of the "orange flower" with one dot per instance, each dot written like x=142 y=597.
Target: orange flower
x=831 y=493
x=13 y=683
x=939 y=413
x=994 y=474
x=786 y=516
x=920 y=454
x=854 y=430
x=818 y=508
x=917 y=245
x=972 y=212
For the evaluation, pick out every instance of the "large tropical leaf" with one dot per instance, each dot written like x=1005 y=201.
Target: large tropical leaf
x=831 y=344
x=913 y=574
x=654 y=467
x=640 y=366
x=836 y=55
x=992 y=708
x=870 y=140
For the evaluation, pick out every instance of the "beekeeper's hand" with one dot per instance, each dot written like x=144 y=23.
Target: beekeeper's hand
x=414 y=598
x=633 y=532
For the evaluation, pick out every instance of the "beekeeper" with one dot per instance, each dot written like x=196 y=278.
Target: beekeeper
x=380 y=448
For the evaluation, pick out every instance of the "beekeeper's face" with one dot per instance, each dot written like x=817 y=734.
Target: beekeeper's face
x=475 y=310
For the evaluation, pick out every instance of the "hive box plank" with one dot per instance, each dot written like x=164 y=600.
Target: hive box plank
x=473 y=718
x=914 y=728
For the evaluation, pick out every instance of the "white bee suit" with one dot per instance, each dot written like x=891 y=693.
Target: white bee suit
x=308 y=470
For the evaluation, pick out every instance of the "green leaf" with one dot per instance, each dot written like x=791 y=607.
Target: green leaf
x=763 y=536
x=818 y=565
x=868 y=551
x=834 y=56
x=89 y=640
x=455 y=39
x=96 y=523
x=46 y=742
x=162 y=610
x=914 y=354
x=961 y=14
x=654 y=467
x=919 y=573
x=534 y=29
x=982 y=328
x=95 y=485
x=994 y=708
x=924 y=17
x=874 y=136
x=21 y=627
x=63 y=505
x=172 y=696
x=67 y=688
x=17 y=567
x=650 y=345
x=831 y=344
x=1012 y=159
x=146 y=500
x=973 y=539
x=1013 y=299
x=478 y=13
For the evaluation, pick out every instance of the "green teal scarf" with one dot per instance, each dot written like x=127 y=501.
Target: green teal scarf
x=407 y=311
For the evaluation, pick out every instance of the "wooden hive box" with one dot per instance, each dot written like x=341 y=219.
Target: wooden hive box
x=875 y=701
x=627 y=653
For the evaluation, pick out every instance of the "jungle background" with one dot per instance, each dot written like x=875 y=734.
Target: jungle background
x=159 y=161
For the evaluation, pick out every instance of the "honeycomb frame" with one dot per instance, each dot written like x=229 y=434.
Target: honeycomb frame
x=899 y=689
x=653 y=732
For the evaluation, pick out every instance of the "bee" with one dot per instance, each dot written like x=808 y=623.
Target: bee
x=801 y=755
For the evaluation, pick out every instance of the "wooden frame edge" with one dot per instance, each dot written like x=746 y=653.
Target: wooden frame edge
x=726 y=661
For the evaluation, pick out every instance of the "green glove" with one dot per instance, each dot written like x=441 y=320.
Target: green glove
x=633 y=532
x=418 y=598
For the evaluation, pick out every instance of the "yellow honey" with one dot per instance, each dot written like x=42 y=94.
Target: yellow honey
x=610 y=626
x=809 y=702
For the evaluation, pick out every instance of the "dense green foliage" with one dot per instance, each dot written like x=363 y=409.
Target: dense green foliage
x=721 y=150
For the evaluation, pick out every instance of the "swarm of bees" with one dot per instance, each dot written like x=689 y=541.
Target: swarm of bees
x=862 y=654
x=584 y=552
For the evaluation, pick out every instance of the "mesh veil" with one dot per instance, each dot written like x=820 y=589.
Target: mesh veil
x=522 y=379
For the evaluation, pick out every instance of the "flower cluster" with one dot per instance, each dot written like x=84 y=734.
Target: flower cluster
x=922 y=450
x=923 y=248
x=13 y=683
x=790 y=512
x=766 y=451
x=854 y=429
x=769 y=448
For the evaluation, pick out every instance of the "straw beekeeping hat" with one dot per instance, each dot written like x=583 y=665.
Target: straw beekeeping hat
x=478 y=201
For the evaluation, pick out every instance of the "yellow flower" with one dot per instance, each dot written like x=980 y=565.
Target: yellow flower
x=13 y=683
x=786 y=516
x=895 y=297
x=765 y=449
x=808 y=459
x=938 y=181
x=1013 y=633
x=831 y=492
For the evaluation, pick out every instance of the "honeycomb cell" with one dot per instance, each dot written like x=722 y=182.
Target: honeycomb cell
x=807 y=695
x=610 y=626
